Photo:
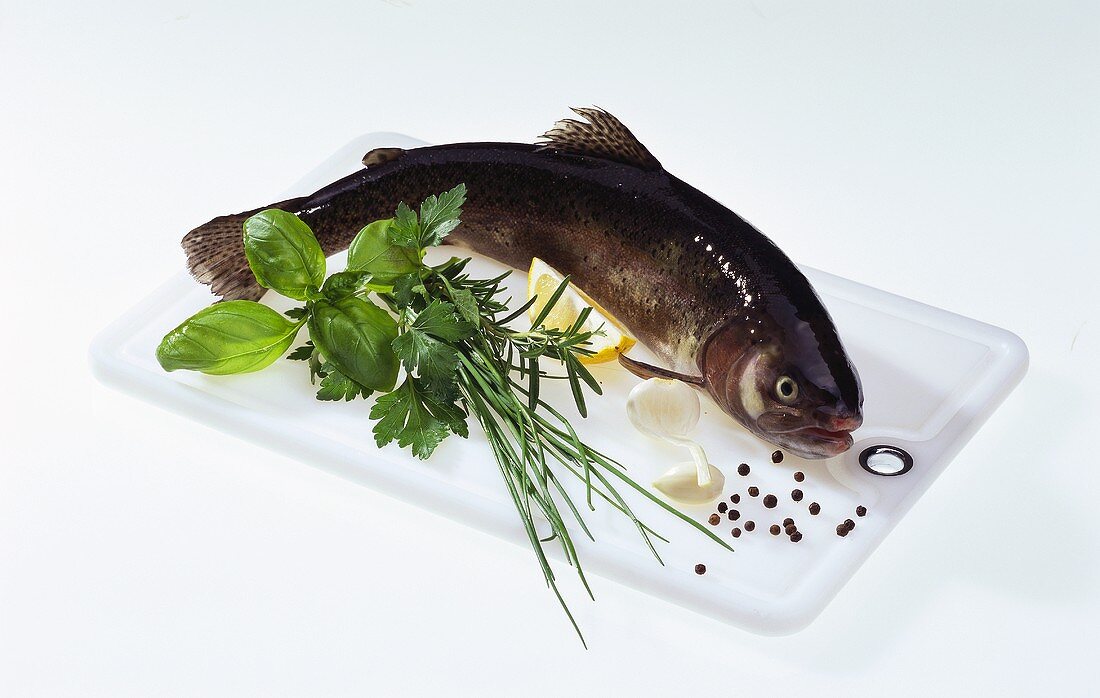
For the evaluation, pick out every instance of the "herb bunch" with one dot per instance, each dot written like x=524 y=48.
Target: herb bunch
x=446 y=335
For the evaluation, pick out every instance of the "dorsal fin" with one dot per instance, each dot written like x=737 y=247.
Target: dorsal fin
x=379 y=156
x=600 y=136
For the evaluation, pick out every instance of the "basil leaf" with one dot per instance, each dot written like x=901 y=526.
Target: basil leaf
x=228 y=337
x=346 y=283
x=284 y=254
x=372 y=250
x=356 y=337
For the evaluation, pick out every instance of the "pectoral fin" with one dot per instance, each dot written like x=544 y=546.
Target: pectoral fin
x=644 y=370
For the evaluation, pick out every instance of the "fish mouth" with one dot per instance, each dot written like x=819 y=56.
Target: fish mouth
x=825 y=437
x=814 y=442
x=818 y=442
x=820 y=434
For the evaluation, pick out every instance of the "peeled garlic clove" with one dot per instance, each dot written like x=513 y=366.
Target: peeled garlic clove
x=681 y=484
x=660 y=408
x=702 y=465
x=669 y=410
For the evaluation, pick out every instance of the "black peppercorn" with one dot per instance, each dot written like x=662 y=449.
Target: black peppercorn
x=861 y=510
x=795 y=537
x=750 y=525
x=714 y=519
x=799 y=476
x=815 y=508
x=796 y=495
x=777 y=457
x=743 y=469
x=753 y=491
x=722 y=506
x=735 y=498
x=736 y=533
x=734 y=514
x=774 y=529
x=788 y=521
x=700 y=569
x=770 y=501
x=841 y=530
x=850 y=524
x=790 y=529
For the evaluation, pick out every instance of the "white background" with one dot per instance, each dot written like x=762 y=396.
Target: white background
x=946 y=151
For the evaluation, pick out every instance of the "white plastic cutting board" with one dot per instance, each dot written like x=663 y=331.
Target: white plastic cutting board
x=931 y=379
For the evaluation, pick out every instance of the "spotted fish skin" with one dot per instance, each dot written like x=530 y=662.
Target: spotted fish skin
x=677 y=267
x=635 y=239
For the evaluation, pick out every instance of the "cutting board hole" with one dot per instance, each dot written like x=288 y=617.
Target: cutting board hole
x=885 y=460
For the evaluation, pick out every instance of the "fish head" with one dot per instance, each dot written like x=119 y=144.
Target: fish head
x=794 y=387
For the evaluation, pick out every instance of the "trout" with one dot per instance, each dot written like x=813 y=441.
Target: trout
x=721 y=305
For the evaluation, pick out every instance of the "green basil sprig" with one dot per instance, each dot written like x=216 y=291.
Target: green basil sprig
x=230 y=337
x=351 y=339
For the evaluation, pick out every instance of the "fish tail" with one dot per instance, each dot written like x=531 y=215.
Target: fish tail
x=215 y=254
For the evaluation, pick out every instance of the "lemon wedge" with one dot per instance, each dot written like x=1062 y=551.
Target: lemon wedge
x=543 y=280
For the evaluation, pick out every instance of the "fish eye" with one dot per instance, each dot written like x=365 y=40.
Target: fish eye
x=786 y=390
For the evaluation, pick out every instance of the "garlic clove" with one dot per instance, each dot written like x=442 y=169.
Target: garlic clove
x=702 y=465
x=660 y=408
x=681 y=484
x=669 y=410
